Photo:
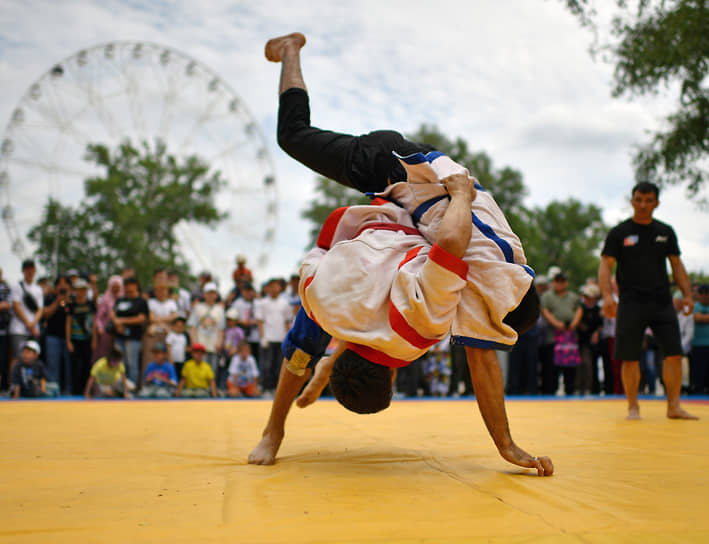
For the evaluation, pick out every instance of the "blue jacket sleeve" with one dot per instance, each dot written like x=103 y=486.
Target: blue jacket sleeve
x=305 y=344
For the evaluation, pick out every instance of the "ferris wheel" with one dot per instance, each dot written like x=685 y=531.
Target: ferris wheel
x=141 y=92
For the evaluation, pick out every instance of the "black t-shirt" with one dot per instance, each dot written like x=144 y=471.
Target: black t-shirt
x=591 y=321
x=131 y=307
x=82 y=319
x=641 y=252
x=28 y=378
x=56 y=323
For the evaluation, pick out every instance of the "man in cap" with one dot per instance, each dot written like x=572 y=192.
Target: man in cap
x=27 y=304
x=560 y=307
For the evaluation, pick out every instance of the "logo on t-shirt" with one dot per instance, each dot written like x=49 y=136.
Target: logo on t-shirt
x=631 y=240
x=661 y=238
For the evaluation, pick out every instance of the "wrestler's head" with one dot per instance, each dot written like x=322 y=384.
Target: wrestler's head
x=360 y=385
x=526 y=314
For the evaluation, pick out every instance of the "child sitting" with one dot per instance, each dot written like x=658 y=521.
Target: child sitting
x=108 y=377
x=243 y=373
x=160 y=379
x=29 y=377
x=197 y=376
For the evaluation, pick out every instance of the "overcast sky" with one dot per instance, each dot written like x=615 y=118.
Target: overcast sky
x=513 y=78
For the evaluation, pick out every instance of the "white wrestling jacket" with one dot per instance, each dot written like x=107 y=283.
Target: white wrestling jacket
x=498 y=276
x=377 y=283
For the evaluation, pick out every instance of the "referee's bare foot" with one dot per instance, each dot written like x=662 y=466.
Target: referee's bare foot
x=633 y=413
x=276 y=47
x=679 y=413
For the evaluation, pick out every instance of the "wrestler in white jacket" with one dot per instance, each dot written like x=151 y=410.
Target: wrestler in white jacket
x=498 y=276
x=375 y=282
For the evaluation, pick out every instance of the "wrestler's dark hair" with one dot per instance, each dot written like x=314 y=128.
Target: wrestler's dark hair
x=526 y=314
x=645 y=187
x=360 y=385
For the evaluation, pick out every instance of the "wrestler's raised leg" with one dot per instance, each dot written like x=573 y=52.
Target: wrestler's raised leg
x=286 y=50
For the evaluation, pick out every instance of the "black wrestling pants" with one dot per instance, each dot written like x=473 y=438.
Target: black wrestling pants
x=364 y=163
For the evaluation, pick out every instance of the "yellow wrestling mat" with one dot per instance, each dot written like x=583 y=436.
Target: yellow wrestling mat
x=422 y=471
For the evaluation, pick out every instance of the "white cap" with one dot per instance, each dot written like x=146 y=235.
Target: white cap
x=209 y=286
x=232 y=313
x=590 y=290
x=31 y=344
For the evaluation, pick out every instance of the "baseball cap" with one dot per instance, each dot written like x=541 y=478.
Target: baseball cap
x=232 y=313
x=209 y=286
x=591 y=291
x=33 y=345
x=160 y=346
x=80 y=283
x=198 y=347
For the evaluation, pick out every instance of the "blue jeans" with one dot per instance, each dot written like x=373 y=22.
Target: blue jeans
x=131 y=357
x=58 y=360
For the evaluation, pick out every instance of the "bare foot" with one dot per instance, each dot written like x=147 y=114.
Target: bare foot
x=679 y=413
x=265 y=452
x=276 y=47
x=633 y=413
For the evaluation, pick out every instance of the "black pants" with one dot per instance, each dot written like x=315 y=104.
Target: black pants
x=80 y=365
x=365 y=163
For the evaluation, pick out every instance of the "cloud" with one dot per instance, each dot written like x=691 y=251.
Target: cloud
x=514 y=79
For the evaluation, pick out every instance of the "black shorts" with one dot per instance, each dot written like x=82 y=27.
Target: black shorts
x=632 y=320
x=365 y=163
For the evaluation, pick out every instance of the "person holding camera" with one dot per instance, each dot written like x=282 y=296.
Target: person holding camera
x=56 y=308
x=27 y=304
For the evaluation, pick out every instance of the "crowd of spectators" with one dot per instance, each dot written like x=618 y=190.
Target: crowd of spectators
x=161 y=341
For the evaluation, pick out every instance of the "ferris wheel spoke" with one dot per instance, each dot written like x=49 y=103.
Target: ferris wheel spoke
x=124 y=90
x=51 y=167
x=197 y=125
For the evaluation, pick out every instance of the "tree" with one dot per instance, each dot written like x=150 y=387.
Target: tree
x=660 y=44
x=566 y=234
x=128 y=214
x=506 y=184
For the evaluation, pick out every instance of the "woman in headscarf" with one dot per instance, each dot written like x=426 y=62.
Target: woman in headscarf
x=104 y=343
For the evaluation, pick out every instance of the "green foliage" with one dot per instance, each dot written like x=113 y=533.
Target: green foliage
x=506 y=184
x=331 y=195
x=565 y=234
x=658 y=45
x=128 y=215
